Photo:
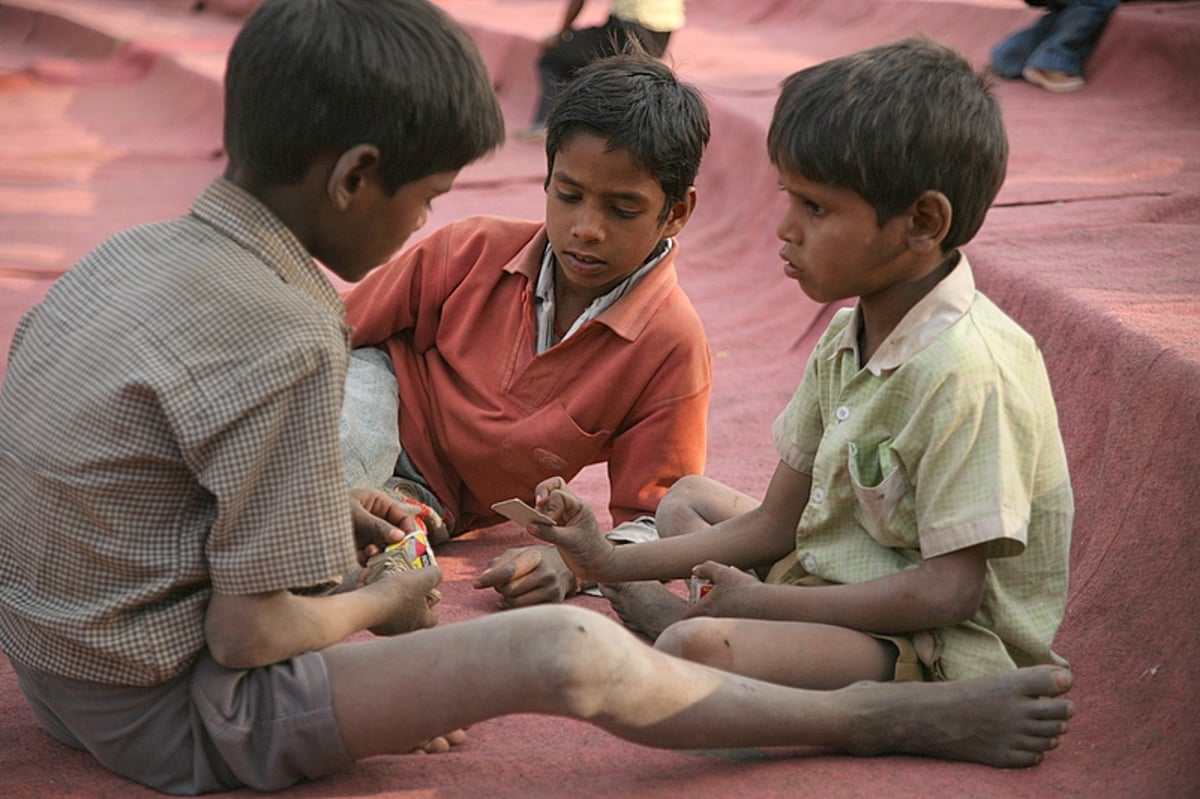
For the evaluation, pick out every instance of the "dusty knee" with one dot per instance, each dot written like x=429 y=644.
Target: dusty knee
x=698 y=640
x=678 y=508
x=581 y=657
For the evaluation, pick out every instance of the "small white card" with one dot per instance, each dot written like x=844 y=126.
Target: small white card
x=521 y=513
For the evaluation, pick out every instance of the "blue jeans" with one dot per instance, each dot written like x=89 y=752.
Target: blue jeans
x=1060 y=41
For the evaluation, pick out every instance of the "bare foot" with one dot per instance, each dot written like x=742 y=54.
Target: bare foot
x=441 y=743
x=1009 y=719
x=646 y=607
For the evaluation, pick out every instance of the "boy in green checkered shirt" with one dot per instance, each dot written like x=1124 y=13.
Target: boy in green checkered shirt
x=918 y=523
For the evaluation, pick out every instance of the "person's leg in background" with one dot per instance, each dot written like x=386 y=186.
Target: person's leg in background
x=557 y=64
x=1065 y=51
x=1010 y=55
x=1052 y=52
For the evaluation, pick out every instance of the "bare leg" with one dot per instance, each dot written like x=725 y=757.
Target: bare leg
x=695 y=502
x=799 y=654
x=570 y=662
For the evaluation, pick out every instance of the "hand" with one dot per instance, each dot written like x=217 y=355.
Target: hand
x=411 y=597
x=583 y=548
x=380 y=519
x=528 y=576
x=733 y=594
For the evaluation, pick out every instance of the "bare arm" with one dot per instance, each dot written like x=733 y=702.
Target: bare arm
x=572 y=12
x=758 y=537
x=939 y=592
x=244 y=632
x=564 y=31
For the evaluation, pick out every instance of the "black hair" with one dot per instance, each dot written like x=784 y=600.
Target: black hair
x=637 y=104
x=892 y=122
x=307 y=77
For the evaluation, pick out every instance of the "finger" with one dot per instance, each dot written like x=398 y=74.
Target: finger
x=379 y=532
x=559 y=504
x=544 y=532
x=495 y=575
x=399 y=513
x=512 y=565
x=709 y=570
x=542 y=492
x=539 y=596
x=427 y=578
x=380 y=505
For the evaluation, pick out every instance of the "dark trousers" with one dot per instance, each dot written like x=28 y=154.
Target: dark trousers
x=559 y=63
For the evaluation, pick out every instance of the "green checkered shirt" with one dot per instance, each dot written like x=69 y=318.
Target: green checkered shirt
x=946 y=439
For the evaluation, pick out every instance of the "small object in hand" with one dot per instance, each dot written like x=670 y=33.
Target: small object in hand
x=411 y=552
x=697 y=588
x=521 y=513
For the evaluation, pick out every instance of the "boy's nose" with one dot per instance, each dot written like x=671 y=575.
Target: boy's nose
x=787 y=231
x=587 y=224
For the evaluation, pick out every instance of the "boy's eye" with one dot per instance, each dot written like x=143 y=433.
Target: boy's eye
x=813 y=208
x=567 y=198
x=625 y=213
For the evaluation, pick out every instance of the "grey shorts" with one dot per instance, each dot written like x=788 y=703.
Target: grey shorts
x=213 y=729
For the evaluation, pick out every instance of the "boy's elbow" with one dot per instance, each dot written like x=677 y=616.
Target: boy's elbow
x=231 y=654
x=961 y=603
x=234 y=649
x=233 y=637
x=956 y=584
x=964 y=607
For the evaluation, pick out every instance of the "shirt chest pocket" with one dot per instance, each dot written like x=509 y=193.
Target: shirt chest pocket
x=549 y=442
x=884 y=506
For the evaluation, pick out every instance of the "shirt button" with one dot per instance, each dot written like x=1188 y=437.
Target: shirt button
x=842 y=413
x=818 y=495
x=809 y=563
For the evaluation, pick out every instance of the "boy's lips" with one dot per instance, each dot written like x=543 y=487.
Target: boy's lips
x=584 y=264
x=789 y=266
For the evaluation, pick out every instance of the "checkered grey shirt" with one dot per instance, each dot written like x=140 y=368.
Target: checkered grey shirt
x=168 y=427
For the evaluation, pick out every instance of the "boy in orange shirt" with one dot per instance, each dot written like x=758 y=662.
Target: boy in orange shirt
x=511 y=350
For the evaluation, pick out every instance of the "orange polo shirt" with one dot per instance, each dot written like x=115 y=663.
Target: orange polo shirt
x=484 y=417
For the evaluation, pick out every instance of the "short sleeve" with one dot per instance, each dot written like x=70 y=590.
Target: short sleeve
x=266 y=446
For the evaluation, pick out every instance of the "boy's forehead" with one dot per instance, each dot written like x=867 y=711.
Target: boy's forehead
x=590 y=156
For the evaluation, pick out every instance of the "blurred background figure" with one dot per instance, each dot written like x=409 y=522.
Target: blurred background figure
x=1052 y=52
x=649 y=22
x=233 y=8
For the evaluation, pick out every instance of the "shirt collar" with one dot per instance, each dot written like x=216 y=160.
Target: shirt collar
x=944 y=305
x=544 y=293
x=242 y=217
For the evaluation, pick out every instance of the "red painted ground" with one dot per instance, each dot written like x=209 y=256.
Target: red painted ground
x=110 y=116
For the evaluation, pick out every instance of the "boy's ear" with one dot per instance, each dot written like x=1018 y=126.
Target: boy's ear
x=349 y=174
x=930 y=222
x=679 y=213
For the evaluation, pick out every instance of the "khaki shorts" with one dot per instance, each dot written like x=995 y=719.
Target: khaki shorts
x=212 y=729
x=917 y=654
